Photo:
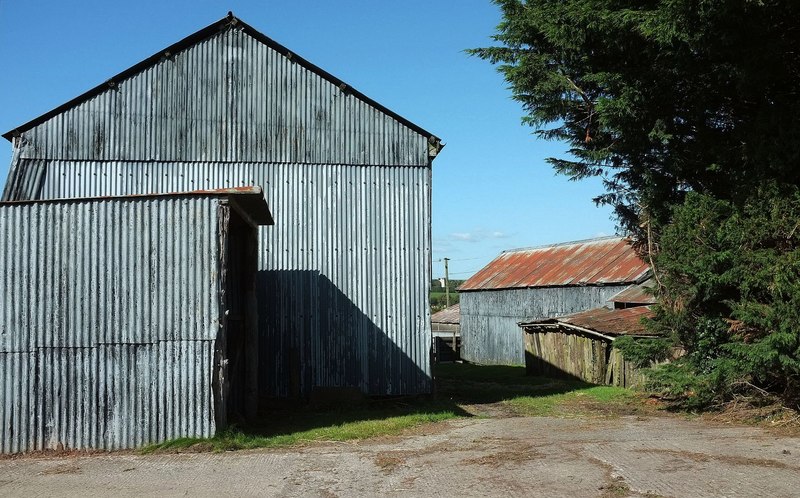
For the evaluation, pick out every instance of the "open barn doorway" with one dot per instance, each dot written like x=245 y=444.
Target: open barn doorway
x=240 y=349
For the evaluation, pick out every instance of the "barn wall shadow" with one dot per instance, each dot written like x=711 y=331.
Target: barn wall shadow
x=312 y=337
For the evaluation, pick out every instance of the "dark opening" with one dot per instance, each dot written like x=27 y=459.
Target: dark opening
x=239 y=287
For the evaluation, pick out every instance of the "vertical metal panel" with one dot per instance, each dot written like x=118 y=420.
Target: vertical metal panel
x=489 y=330
x=227 y=98
x=345 y=270
x=108 y=318
x=349 y=256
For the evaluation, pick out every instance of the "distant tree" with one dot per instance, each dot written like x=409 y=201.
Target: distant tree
x=688 y=111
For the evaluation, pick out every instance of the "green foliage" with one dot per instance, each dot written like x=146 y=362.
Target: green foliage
x=658 y=97
x=438 y=300
x=731 y=277
x=688 y=111
x=643 y=352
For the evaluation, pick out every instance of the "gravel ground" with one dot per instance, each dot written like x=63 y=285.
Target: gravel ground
x=540 y=456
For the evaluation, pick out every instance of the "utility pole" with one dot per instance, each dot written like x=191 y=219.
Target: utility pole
x=446 y=283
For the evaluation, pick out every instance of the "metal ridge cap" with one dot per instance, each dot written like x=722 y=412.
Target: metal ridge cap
x=569 y=243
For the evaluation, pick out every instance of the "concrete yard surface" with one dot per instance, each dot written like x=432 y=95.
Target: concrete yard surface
x=514 y=456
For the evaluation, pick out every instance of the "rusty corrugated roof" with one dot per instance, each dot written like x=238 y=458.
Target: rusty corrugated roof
x=448 y=315
x=612 y=322
x=608 y=260
x=636 y=294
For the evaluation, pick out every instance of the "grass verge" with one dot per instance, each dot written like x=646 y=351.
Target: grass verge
x=457 y=387
x=297 y=427
x=605 y=400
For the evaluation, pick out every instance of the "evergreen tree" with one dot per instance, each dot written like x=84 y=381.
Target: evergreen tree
x=688 y=110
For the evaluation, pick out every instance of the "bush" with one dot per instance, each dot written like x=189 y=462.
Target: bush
x=644 y=352
x=731 y=294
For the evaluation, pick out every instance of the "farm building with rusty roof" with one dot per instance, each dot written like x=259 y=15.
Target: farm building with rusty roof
x=524 y=285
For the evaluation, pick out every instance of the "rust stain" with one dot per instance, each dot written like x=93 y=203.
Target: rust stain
x=590 y=262
x=613 y=322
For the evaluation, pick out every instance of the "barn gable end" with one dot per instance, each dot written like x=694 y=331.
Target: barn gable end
x=348 y=179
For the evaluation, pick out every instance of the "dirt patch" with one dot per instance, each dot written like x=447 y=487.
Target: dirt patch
x=62 y=453
x=614 y=485
x=388 y=461
x=62 y=469
x=500 y=458
x=492 y=410
x=732 y=460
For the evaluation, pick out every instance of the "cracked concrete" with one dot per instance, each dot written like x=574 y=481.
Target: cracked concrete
x=514 y=456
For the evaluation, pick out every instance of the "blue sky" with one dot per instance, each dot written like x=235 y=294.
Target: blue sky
x=492 y=189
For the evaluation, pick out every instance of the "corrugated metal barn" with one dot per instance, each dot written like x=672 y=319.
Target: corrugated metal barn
x=126 y=321
x=542 y=282
x=349 y=179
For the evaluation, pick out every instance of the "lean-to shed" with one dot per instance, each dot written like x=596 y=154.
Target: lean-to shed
x=126 y=321
x=537 y=283
x=580 y=345
x=344 y=274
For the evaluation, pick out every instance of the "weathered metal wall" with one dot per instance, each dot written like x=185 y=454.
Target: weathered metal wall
x=345 y=271
x=108 y=315
x=489 y=330
x=229 y=98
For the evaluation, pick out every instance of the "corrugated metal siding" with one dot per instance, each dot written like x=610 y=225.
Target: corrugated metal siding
x=108 y=317
x=489 y=330
x=228 y=98
x=345 y=270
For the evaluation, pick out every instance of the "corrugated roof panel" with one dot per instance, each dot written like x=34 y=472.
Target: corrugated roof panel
x=590 y=262
x=448 y=315
x=636 y=294
x=613 y=322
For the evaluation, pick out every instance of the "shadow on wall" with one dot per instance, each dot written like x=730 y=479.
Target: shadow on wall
x=313 y=336
x=537 y=366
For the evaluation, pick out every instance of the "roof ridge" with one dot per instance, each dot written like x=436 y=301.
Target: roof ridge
x=559 y=244
x=228 y=22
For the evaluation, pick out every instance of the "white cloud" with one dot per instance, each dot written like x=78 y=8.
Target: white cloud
x=478 y=235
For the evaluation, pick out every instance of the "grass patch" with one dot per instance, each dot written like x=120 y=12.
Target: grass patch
x=576 y=402
x=303 y=426
x=458 y=386
x=531 y=396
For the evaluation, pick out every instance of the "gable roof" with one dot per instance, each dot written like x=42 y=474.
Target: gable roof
x=607 y=260
x=227 y=22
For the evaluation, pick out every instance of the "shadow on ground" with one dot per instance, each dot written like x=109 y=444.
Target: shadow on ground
x=459 y=388
x=456 y=384
x=485 y=384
